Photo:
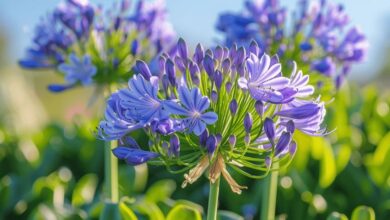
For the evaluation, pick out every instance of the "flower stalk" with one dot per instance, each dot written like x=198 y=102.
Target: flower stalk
x=213 y=200
x=111 y=172
x=270 y=188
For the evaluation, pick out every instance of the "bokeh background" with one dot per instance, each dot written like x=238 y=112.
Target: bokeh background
x=47 y=141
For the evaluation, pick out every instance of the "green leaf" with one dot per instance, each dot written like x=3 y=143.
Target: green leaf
x=191 y=204
x=228 y=215
x=363 y=213
x=84 y=190
x=337 y=216
x=378 y=165
x=184 y=212
x=149 y=209
x=322 y=150
x=160 y=191
x=126 y=212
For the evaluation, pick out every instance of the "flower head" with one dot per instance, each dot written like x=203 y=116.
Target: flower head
x=217 y=109
x=320 y=29
x=107 y=42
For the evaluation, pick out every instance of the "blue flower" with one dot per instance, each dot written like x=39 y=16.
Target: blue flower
x=140 y=100
x=115 y=124
x=265 y=82
x=79 y=70
x=307 y=116
x=193 y=107
x=133 y=156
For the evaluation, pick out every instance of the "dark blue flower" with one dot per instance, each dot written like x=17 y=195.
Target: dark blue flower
x=193 y=106
x=140 y=100
x=133 y=156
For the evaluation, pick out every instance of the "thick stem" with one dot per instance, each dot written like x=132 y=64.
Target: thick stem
x=213 y=200
x=111 y=172
x=270 y=189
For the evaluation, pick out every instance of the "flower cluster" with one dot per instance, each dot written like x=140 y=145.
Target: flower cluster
x=91 y=45
x=213 y=109
x=319 y=39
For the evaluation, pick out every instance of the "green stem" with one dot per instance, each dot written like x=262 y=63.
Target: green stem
x=270 y=189
x=213 y=200
x=111 y=172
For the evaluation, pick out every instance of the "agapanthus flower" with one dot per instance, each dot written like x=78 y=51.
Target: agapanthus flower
x=320 y=37
x=213 y=116
x=110 y=40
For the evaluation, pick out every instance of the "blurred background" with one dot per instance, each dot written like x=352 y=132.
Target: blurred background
x=47 y=140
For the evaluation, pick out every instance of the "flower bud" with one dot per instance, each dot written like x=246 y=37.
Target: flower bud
x=233 y=107
x=232 y=140
x=174 y=145
x=219 y=138
x=180 y=63
x=211 y=144
x=283 y=143
x=218 y=53
x=182 y=48
x=226 y=66
x=218 y=78
x=290 y=126
x=199 y=54
x=214 y=96
x=240 y=57
x=203 y=137
x=134 y=47
x=208 y=64
x=269 y=129
x=143 y=69
x=170 y=71
x=228 y=87
x=259 y=106
x=248 y=121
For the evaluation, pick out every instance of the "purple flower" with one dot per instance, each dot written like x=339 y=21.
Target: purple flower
x=264 y=82
x=193 y=106
x=133 y=156
x=166 y=126
x=78 y=70
x=115 y=124
x=318 y=29
x=300 y=82
x=140 y=100
x=307 y=116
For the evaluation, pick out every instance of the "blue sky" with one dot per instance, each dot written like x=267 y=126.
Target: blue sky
x=195 y=20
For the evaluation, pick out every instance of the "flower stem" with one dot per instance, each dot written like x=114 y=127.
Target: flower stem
x=111 y=172
x=269 y=195
x=213 y=200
